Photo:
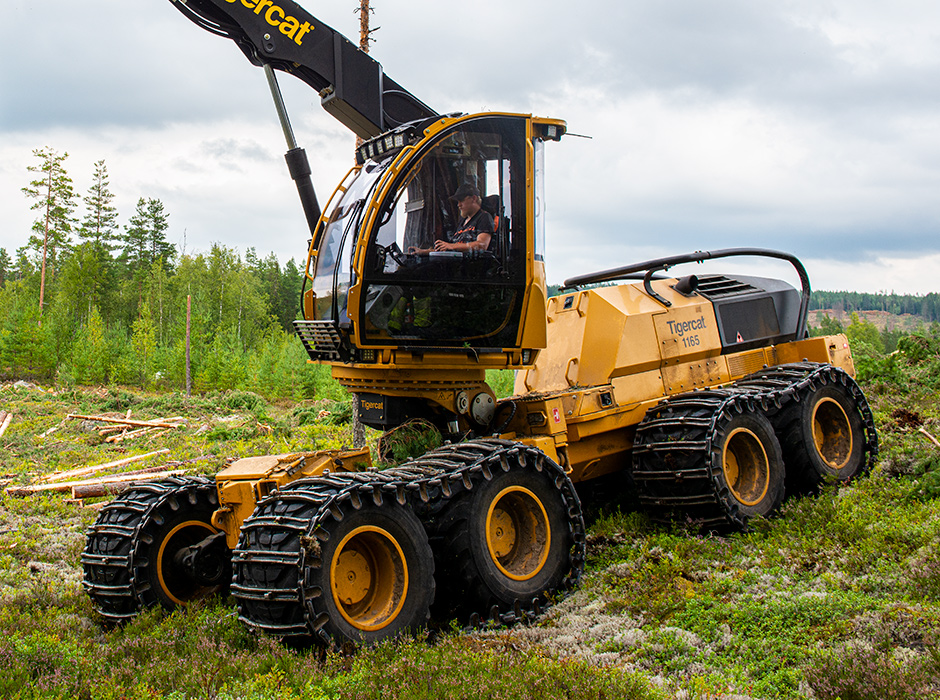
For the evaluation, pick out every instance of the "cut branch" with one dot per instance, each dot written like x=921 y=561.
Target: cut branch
x=920 y=430
x=82 y=471
x=125 y=421
x=6 y=423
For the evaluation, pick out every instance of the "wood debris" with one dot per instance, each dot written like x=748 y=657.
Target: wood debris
x=120 y=429
x=97 y=468
x=80 y=489
x=7 y=418
x=67 y=486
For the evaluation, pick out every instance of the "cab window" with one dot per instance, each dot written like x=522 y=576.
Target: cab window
x=445 y=297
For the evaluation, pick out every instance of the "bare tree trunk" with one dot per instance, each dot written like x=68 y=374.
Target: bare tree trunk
x=359 y=430
x=189 y=380
x=45 y=242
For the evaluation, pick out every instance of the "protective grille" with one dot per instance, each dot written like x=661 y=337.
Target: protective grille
x=719 y=286
x=320 y=338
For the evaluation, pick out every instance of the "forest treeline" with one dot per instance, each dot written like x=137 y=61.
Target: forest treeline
x=91 y=301
x=926 y=306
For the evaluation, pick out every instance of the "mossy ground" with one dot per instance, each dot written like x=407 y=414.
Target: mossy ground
x=837 y=597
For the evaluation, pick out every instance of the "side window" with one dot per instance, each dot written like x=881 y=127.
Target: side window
x=417 y=285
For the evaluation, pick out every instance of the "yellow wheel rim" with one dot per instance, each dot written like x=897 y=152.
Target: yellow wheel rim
x=746 y=466
x=832 y=433
x=175 y=586
x=518 y=534
x=369 y=578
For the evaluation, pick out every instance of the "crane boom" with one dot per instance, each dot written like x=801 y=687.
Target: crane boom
x=280 y=33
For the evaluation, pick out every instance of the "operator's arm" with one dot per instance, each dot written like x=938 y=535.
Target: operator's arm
x=482 y=242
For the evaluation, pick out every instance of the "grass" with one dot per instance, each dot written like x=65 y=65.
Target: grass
x=837 y=597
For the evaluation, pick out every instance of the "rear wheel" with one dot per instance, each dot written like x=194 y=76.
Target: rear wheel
x=823 y=437
x=746 y=459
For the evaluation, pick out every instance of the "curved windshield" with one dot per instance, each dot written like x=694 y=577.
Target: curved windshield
x=446 y=263
x=334 y=274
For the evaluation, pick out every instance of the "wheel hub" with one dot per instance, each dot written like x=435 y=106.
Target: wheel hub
x=832 y=433
x=179 y=581
x=746 y=467
x=518 y=534
x=369 y=578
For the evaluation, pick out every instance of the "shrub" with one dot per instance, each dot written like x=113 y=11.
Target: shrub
x=861 y=673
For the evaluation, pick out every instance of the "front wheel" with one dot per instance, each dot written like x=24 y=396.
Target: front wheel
x=505 y=544
x=135 y=554
x=376 y=574
x=333 y=565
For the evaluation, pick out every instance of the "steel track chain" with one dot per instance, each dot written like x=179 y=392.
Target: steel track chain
x=672 y=468
x=294 y=513
x=112 y=548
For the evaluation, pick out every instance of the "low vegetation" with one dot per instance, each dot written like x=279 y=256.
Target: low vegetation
x=837 y=597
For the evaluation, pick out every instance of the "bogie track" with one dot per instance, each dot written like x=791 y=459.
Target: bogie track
x=718 y=457
x=293 y=561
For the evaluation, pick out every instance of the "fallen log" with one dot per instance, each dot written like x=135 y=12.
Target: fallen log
x=923 y=431
x=126 y=421
x=6 y=423
x=114 y=487
x=66 y=486
x=83 y=471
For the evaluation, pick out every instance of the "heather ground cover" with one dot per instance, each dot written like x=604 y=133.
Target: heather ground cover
x=837 y=597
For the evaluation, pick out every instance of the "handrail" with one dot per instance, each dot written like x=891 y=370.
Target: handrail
x=620 y=273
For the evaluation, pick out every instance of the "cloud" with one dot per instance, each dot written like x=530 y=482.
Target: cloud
x=795 y=124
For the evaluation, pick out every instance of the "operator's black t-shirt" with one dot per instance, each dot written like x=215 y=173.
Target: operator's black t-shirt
x=467 y=232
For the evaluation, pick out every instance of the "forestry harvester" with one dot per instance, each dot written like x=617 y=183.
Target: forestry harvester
x=704 y=391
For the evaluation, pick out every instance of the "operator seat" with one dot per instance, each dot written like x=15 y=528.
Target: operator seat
x=498 y=244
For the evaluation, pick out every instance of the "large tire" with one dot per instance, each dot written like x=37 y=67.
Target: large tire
x=130 y=558
x=823 y=438
x=504 y=545
x=746 y=460
x=353 y=570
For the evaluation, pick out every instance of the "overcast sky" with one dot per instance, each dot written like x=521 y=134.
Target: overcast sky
x=811 y=126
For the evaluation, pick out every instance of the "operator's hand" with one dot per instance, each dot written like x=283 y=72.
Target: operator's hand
x=442 y=245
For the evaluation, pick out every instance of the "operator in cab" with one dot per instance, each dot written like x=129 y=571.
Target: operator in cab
x=475 y=229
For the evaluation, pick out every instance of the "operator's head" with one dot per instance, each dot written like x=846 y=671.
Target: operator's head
x=468 y=199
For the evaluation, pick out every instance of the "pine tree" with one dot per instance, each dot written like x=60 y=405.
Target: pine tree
x=145 y=237
x=6 y=266
x=100 y=223
x=55 y=199
x=160 y=249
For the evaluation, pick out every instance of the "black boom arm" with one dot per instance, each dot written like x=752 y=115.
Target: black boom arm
x=352 y=86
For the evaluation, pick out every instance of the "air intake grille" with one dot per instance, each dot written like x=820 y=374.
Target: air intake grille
x=320 y=338
x=718 y=287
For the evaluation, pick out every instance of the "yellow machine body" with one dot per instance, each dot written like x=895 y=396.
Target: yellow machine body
x=705 y=389
x=246 y=481
x=614 y=353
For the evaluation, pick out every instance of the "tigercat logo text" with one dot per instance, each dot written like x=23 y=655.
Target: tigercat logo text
x=275 y=16
x=680 y=328
x=372 y=405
